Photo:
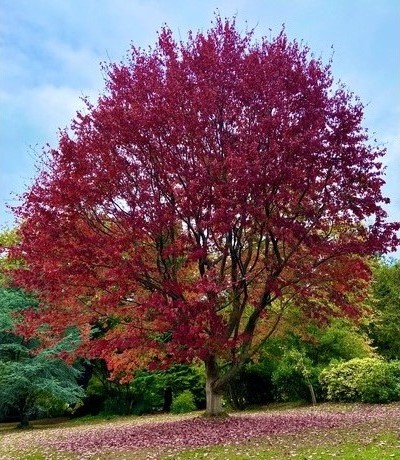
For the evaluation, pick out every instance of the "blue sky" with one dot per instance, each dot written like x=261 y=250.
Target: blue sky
x=50 y=54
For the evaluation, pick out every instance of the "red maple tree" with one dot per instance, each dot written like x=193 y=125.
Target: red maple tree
x=212 y=183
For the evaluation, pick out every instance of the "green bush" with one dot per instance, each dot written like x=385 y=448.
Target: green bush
x=182 y=403
x=371 y=380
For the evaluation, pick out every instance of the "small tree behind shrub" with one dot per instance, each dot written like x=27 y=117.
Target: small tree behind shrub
x=148 y=391
x=369 y=380
x=182 y=403
x=295 y=377
x=153 y=390
x=180 y=377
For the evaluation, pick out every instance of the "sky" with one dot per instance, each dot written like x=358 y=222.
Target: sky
x=51 y=51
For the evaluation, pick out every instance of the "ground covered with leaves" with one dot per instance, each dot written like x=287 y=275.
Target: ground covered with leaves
x=326 y=431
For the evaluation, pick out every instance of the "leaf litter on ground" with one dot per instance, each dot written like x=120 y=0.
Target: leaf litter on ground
x=173 y=434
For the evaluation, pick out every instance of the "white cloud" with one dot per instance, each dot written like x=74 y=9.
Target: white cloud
x=45 y=109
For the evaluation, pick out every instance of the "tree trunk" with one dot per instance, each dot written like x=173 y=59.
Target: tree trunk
x=312 y=392
x=213 y=398
x=237 y=399
x=23 y=420
x=167 y=399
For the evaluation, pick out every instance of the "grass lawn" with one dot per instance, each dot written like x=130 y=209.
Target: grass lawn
x=324 y=432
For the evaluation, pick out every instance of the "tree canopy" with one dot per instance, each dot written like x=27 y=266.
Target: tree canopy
x=213 y=182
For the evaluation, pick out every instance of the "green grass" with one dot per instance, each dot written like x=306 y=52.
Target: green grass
x=385 y=446
x=32 y=457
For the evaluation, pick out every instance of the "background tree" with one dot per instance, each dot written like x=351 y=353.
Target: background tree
x=36 y=384
x=32 y=382
x=384 y=328
x=8 y=239
x=214 y=181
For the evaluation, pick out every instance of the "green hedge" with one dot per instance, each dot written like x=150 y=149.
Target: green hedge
x=371 y=380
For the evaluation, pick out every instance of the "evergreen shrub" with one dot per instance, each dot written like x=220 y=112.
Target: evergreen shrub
x=370 y=380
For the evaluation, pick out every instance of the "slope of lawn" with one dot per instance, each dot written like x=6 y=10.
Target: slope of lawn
x=323 y=432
